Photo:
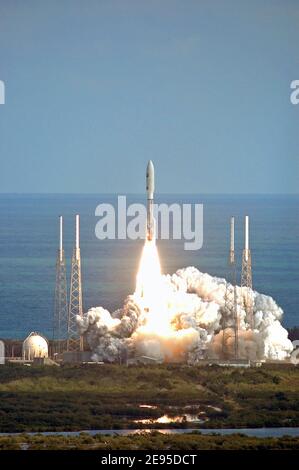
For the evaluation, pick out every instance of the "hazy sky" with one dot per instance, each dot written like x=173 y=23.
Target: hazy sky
x=96 y=88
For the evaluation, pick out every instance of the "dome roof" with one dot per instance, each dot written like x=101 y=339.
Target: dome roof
x=35 y=345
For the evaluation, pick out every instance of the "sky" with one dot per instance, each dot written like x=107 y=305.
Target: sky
x=95 y=89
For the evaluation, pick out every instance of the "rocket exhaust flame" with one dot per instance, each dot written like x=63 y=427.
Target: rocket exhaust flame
x=152 y=292
x=149 y=273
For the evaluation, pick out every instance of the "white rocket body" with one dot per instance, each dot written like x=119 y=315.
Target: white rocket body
x=150 y=189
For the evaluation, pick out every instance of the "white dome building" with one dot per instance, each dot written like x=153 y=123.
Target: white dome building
x=34 y=345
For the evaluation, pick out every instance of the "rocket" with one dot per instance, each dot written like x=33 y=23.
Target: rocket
x=150 y=188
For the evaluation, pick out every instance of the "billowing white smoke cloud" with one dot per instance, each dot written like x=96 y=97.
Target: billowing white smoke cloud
x=197 y=308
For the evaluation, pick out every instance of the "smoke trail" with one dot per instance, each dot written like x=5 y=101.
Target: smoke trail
x=194 y=304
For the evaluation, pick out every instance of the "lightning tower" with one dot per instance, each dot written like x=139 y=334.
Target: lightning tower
x=60 y=326
x=75 y=341
x=246 y=277
x=231 y=307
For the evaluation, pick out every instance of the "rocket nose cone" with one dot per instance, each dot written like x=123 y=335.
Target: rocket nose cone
x=150 y=177
x=150 y=170
x=150 y=166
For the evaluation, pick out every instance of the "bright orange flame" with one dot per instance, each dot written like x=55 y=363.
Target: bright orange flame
x=152 y=291
x=149 y=273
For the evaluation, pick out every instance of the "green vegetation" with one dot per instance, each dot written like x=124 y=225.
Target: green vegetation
x=74 y=398
x=145 y=441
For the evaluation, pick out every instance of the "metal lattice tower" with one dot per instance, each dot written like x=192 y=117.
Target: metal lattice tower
x=60 y=326
x=231 y=307
x=246 y=277
x=75 y=340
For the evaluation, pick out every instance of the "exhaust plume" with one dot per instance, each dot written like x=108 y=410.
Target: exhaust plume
x=180 y=321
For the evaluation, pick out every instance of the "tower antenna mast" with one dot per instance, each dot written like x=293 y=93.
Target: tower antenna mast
x=75 y=340
x=231 y=306
x=60 y=326
x=246 y=277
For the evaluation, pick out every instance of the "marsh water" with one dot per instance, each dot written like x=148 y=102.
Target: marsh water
x=254 y=432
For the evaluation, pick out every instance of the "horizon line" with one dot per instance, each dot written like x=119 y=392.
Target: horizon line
x=13 y=193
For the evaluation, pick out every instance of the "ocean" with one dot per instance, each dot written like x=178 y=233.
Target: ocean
x=29 y=242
